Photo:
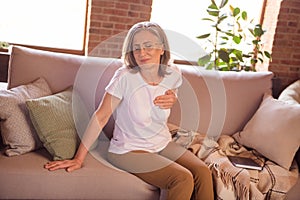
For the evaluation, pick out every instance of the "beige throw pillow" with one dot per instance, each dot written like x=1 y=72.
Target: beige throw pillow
x=291 y=94
x=17 y=132
x=274 y=131
x=53 y=120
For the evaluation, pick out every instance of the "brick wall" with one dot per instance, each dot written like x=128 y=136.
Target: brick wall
x=282 y=19
x=108 y=21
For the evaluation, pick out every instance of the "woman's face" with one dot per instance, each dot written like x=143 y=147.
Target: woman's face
x=147 y=49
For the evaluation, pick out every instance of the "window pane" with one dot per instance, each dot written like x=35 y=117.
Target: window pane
x=49 y=23
x=185 y=17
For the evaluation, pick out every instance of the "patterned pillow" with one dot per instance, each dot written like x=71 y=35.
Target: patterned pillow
x=17 y=131
x=53 y=120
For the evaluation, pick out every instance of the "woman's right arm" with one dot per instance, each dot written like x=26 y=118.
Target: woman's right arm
x=96 y=124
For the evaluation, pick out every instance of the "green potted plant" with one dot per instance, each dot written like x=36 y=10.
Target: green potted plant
x=230 y=38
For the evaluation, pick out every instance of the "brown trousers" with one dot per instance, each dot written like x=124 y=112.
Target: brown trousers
x=174 y=168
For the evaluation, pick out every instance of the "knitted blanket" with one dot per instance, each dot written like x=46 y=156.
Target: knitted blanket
x=273 y=182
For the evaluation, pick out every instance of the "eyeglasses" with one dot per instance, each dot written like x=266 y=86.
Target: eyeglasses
x=147 y=46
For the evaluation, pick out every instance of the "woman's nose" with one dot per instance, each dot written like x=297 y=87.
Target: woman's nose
x=142 y=51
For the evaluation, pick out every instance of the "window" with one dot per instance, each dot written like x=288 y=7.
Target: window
x=58 y=24
x=185 y=17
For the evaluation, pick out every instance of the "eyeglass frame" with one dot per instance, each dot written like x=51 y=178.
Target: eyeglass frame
x=145 y=47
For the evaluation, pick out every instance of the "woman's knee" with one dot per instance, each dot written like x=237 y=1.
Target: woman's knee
x=184 y=177
x=203 y=174
x=180 y=185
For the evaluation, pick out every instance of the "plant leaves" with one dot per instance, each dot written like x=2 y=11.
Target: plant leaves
x=251 y=31
x=244 y=15
x=237 y=39
x=255 y=42
x=222 y=18
x=213 y=3
x=218 y=29
x=226 y=68
x=204 y=60
x=248 y=55
x=253 y=61
x=208 y=19
x=213 y=6
x=210 y=66
x=225 y=38
x=267 y=54
x=213 y=12
x=258 y=31
x=224 y=55
x=229 y=34
x=233 y=33
x=223 y=3
x=231 y=8
x=203 y=36
x=238 y=54
x=236 y=11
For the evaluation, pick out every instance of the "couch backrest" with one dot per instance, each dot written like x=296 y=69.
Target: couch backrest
x=216 y=102
x=88 y=75
x=208 y=101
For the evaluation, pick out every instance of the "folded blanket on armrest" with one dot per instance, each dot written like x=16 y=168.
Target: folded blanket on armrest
x=272 y=182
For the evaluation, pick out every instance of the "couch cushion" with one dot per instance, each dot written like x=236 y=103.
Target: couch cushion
x=273 y=131
x=16 y=128
x=214 y=102
x=23 y=177
x=28 y=64
x=53 y=120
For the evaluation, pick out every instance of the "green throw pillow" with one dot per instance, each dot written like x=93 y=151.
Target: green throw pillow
x=53 y=120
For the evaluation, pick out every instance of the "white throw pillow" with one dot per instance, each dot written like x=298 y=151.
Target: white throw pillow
x=274 y=131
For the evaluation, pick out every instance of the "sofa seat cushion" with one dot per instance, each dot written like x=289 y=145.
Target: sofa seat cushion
x=23 y=177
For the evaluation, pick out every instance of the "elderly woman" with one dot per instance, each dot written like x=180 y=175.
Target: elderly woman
x=141 y=94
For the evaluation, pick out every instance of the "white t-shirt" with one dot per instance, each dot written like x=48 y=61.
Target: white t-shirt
x=139 y=124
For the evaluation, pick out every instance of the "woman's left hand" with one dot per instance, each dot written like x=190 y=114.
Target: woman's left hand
x=166 y=101
x=68 y=165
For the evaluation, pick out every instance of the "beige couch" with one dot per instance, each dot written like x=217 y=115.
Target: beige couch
x=209 y=102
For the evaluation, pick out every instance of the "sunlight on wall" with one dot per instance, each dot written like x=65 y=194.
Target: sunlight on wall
x=184 y=16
